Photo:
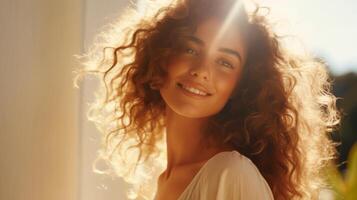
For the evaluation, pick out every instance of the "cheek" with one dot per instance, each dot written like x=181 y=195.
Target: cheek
x=225 y=84
x=176 y=67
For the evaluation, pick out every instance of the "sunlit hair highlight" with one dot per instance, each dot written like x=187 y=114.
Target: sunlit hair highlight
x=279 y=116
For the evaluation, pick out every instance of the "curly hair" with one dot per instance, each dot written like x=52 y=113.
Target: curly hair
x=280 y=116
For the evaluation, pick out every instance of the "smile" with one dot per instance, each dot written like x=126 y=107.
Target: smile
x=193 y=90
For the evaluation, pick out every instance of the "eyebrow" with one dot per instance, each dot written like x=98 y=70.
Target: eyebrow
x=224 y=50
x=232 y=52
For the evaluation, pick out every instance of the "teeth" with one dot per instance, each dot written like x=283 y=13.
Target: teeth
x=194 y=90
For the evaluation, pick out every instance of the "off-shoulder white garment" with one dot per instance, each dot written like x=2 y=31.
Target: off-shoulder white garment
x=228 y=175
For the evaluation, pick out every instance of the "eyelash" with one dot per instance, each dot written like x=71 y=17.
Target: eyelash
x=225 y=63
x=187 y=49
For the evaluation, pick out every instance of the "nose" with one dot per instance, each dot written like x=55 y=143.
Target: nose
x=201 y=70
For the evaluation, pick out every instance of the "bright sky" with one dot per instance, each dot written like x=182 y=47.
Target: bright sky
x=328 y=28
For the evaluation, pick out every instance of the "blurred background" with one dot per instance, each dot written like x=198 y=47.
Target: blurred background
x=47 y=146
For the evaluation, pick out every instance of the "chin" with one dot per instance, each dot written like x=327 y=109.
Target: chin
x=192 y=112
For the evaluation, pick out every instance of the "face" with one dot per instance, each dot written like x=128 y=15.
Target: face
x=204 y=73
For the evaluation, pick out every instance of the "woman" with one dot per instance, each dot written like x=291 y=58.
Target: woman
x=239 y=116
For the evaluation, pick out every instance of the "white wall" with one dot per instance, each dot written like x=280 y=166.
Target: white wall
x=38 y=106
x=47 y=145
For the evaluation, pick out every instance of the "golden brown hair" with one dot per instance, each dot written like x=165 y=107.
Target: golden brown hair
x=280 y=116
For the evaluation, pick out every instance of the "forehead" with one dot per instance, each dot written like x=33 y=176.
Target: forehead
x=215 y=34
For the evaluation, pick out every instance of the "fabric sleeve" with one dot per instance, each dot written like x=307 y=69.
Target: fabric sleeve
x=241 y=180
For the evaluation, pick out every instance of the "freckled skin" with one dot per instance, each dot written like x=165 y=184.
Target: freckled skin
x=206 y=65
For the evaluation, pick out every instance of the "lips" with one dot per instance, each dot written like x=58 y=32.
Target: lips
x=195 y=85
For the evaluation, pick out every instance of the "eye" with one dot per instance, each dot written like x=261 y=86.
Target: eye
x=191 y=51
x=225 y=63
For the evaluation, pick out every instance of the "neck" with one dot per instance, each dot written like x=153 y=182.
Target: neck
x=186 y=143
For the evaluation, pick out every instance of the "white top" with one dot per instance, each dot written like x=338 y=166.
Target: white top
x=228 y=175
